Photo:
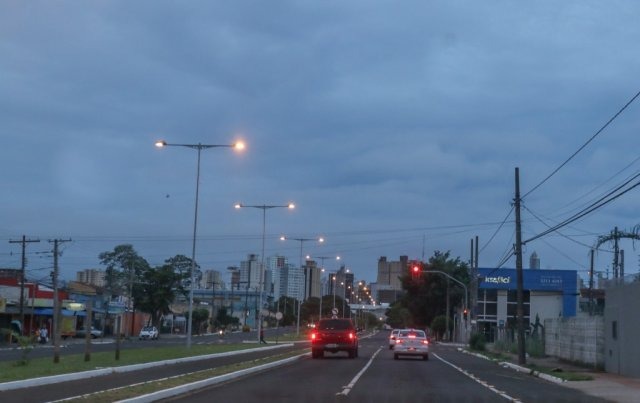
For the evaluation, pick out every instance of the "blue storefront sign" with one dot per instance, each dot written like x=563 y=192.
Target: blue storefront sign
x=560 y=281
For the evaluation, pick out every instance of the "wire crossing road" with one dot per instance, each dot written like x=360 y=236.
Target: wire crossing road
x=448 y=376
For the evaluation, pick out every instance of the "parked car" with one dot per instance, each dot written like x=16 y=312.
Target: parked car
x=148 y=333
x=95 y=333
x=412 y=343
x=334 y=335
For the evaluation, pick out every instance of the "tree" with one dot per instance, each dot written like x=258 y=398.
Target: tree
x=224 y=320
x=182 y=267
x=426 y=295
x=200 y=316
x=123 y=268
x=156 y=291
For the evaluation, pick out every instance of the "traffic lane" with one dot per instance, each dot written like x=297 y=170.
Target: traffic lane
x=305 y=380
x=65 y=390
x=524 y=387
x=412 y=379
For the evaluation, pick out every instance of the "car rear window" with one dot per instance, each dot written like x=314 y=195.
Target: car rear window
x=412 y=333
x=335 y=324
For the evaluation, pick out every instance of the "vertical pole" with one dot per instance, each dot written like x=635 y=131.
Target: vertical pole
x=193 y=251
x=87 y=328
x=23 y=265
x=522 y=359
x=616 y=253
x=56 y=306
x=264 y=233
x=304 y=287
x=591 y=284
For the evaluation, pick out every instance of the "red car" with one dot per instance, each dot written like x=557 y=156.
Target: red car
x=334 y=335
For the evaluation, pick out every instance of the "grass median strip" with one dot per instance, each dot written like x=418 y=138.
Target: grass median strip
x=40 y=367
x=131 y=391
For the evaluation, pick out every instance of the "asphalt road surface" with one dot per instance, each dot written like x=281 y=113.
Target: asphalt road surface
x=448 y=376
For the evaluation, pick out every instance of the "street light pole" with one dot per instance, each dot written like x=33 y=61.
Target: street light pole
x=264 y=208
x=322 y=259
x=463 y=286
x=199 y=147
x=304 y=285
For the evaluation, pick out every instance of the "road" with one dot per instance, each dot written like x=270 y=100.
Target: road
x=448 y=376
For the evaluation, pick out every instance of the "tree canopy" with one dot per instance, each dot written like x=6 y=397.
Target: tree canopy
x=425 y=294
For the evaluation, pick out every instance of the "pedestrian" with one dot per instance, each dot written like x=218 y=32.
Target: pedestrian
x=44 y=333
x=262 y=336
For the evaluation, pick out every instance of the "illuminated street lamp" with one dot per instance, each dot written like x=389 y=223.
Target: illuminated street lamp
x=322 y=258
x=264 y=208
x=199 y=147
x=304 y=285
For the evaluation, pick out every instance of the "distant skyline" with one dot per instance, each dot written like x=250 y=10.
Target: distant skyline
x=395 y=128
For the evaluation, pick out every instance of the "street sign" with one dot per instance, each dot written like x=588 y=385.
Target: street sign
x=278 y=315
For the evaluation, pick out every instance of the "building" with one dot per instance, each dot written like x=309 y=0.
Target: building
x=212 y=279
x=534 y=261
x=547 y=294
x=250 y=272
x=388 y=287
x=91 y=276
x=313 y=283
x=277 y=267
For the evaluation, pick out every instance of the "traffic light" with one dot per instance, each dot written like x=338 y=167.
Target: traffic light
x=416 y=270
x=465 y=312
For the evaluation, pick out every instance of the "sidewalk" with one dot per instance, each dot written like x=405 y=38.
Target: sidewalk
x=613 y=387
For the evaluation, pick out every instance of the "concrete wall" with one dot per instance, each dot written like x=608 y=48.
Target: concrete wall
x=622 y=329
x=577 y=339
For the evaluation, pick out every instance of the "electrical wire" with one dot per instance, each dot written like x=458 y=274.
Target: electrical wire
x=583 y=146
x=497 y=230
x=608 y=198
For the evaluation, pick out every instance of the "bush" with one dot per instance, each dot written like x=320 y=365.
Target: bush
x=477 y=342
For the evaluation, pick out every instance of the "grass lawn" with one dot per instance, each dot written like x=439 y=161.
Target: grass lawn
x=39 y=367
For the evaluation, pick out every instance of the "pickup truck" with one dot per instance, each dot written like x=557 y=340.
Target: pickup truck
x=333 y=335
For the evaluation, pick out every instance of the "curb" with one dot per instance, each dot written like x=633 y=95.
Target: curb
x=74 y=376
x=518 y=368
x=182 y=389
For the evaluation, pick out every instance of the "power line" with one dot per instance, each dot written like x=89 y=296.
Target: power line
x=497 y=230
x=594 y=206
x=583 y=146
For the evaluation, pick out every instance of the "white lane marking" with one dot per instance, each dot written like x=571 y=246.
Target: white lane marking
x=480 y=381
x=347 y=389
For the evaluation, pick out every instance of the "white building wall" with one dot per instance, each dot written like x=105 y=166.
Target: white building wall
x=547 y=305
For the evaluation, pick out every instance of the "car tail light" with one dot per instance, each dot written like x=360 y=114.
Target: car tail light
x=314 y=336
x=425 y=341
x=399 y=341
x=351 y=336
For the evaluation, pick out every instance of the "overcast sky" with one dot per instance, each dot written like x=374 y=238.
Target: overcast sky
x=394 y=126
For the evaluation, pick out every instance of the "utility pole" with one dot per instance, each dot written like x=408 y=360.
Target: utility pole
x=522 y=358
x=23 y=265
x=56 y=301
x=591 y=285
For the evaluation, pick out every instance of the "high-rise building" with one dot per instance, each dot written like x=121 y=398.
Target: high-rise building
x=276 y=266
x=250 y=272
x=313 y=284
x=389 y=272
x=91 y=276
x=534 y=261
x=212 y=279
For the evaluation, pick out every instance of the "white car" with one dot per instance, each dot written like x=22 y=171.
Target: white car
x=411 y=342
x=148 y=333
x=95 y=333
x=392 y=338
